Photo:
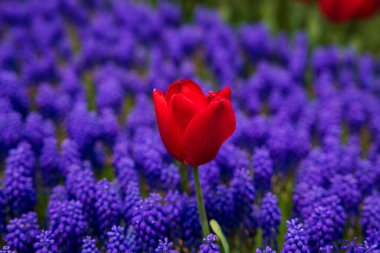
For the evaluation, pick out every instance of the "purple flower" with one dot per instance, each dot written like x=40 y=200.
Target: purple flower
x=269 y=218
x=3 y=205
x=190 y=223
x=21 y=232
x=296 y=238
x=245 y=137
x=243 y=194
x=346 y=188
x=209 y=175
x=263 y=169
x=352 y=247
x=125 y=173
x=7 y=249
x=36 y=129
x=109 y=94
x=142 y=113
x=80 y=184
x=325 y=59
x=67 y=223
x=83 y=127
x=15 y=91
x=58 y=193
x=151 y=159
x=109 y=126
x=327 y=249
x=45 y=243
x=117 y=241
x=22 y=158
x=89 y=245
x=209 y=245
x=148 y=223
x=11 y=130
x=70 y=83
x=51 y=104
x=326 y=222
x=131 y=199
x=50 y=161
x=173 y=210
x=164 y=246
x=306 y=196
x=169 y=178
x=19 y=190
x=107 y=206
x=371 y=213
x=42 y=68
x=266 y=250
x=170 y=13
x=373 y=237
x=220 y=205
x=230 y=158
x=70 y=155
x=257 y=41
x=366 y=176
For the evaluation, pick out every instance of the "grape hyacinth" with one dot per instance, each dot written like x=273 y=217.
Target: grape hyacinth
x=107 y=206
x=7 y=249
x=243 y=193
x=68 y=223
x=83 y=168
x=148 y=222
x=296 y=239
x=117 y=241
x=269 y=218
x=164 y=246
x=50 y=161
x=325 y=224
x=209 y=245
x=89 y=245
x=371 y=213
x=266 y=250
x=45 y=243
x=262 y=165
x=21 y=232
x=19 y=190
x=3 y=205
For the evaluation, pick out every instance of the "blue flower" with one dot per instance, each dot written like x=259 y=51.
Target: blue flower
x=22 y=232
x=45 y=243
x=296 y=238
x=89 y=245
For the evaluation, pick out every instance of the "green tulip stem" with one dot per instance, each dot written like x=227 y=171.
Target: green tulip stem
x=201 y=205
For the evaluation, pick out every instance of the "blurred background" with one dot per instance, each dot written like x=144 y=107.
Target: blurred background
x=291 y=16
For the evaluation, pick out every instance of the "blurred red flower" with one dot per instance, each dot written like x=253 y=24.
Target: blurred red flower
x=192 y=125
x=340 y=11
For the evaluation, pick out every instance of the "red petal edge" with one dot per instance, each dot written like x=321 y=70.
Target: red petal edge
x=207 y=131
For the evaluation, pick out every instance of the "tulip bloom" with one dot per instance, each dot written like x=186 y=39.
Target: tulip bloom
x=340 y=11
x=192 y=125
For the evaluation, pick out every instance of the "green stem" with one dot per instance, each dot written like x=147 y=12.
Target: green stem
x=201 y=205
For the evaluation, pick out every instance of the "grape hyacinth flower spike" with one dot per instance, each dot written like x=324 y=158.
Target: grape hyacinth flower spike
x=193 y=126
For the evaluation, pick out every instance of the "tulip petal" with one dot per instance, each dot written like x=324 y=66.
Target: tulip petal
x=189 y=89
x=182 y=111
x=225 y=93
x=207 y=131
x=163 y=122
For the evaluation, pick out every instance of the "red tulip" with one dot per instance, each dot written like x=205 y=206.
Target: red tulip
x=368 y=8
x=192 y=125
x=340 y=11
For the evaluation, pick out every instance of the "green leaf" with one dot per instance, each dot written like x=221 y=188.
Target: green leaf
x=218 y=231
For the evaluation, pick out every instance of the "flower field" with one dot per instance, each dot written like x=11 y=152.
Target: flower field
x=84 y=167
